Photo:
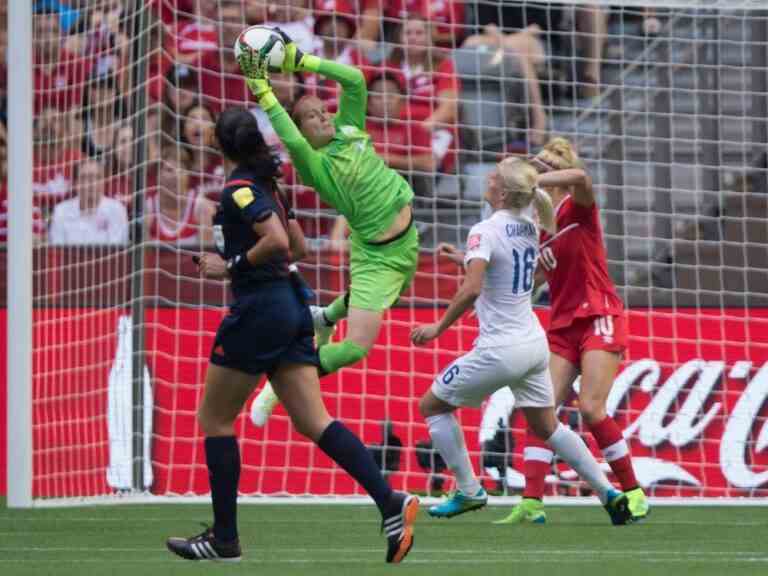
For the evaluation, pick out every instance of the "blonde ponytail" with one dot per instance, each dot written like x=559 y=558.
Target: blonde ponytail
x=545 y=210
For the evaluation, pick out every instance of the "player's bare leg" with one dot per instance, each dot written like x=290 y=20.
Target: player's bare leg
x=599 y=369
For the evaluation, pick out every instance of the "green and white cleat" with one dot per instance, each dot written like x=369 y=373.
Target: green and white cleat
x=323 y=332
x=529 y=511
x=459 y=503
x=618 y=508
x=638 y=504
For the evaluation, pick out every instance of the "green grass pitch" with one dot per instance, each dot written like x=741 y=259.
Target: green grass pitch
x=317 y=540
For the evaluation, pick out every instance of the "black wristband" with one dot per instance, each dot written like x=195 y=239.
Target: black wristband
x=290 y=214
x=238 y=263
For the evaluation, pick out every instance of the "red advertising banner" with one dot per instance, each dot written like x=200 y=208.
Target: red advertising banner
x=691 y=398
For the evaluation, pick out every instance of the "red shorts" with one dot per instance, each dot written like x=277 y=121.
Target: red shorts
x=607 y=333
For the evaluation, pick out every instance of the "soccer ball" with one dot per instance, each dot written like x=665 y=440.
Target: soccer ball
x=262 y=40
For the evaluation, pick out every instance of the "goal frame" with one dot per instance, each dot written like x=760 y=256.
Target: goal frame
x=19 y=372
x=20 y=294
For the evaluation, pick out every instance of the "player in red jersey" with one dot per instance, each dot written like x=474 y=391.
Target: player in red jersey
x=587 y=333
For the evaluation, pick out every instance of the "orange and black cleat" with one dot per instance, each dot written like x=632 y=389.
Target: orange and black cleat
x=399 y=526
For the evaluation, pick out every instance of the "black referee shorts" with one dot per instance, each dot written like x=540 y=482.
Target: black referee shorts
x=265 y=329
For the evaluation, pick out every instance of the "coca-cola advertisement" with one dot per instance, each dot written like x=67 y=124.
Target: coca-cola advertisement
x=690 y=398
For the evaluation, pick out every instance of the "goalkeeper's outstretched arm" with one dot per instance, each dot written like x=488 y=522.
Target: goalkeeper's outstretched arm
x=354 y=96
x=306 y=160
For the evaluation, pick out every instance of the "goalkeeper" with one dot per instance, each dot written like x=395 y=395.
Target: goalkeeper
x=335 y=156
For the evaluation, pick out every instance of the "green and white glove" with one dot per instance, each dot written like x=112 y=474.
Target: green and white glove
x=259 y=87
x=262 y=90
x=252 y=65
x=295 y=60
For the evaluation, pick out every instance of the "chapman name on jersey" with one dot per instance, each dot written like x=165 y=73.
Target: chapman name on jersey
x=509 y=242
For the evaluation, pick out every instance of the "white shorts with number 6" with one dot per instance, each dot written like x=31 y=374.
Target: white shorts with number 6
x=472 y=378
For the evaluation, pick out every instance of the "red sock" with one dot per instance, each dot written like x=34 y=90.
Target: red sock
x=537 y=461
x=615 y=451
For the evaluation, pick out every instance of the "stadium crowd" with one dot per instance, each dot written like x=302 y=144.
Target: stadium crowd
x=453 y=87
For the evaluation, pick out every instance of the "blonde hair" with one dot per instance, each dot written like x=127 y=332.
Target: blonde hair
x=518 y=183
x=559 y=154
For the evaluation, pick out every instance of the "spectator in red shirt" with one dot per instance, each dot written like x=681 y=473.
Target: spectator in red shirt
x=404 y=145
x=433 y=86
x=178 y=213
x=220 y=74
x=55 y=154
x=103 y=108
x=205 y=163
x=447 y=19
x=366 y=16
x=58 y=74
x=336 y=30
x=189 y=38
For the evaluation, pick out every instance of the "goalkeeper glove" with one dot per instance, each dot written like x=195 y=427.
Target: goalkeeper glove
x=262 y=90
x=252 y=65
x=259 y=87
x=295 y=60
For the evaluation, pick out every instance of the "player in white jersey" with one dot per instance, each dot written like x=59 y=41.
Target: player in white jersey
x=511 y=349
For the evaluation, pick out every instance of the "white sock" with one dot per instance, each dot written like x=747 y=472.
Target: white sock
x=567 y=444
x=448 y=438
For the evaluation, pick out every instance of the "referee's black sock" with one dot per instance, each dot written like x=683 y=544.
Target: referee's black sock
x=348 y=452
x=222 y=455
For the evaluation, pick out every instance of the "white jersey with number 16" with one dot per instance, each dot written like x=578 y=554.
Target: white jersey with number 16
x=509 y=242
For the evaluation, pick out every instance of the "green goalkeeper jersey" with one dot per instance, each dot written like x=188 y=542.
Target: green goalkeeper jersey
x=347 y=173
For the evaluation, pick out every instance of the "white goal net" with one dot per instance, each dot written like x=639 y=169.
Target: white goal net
x=667 y=102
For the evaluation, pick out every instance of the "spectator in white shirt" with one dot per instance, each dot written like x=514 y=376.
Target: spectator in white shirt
x=90 y=217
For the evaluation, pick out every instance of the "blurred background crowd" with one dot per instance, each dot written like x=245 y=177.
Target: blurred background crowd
x=453 y=86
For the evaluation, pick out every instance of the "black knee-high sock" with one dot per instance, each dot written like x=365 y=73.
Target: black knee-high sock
x=348 y=452
x=222 y=455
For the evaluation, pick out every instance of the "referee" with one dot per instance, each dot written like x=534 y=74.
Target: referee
x=268 y=331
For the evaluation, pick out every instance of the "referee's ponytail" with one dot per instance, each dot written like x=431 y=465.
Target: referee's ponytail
x=242 y=142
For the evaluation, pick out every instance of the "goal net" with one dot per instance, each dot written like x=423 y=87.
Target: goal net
x=666 y=102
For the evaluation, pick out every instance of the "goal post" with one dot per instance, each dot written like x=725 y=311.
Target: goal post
x=19 y=318
x=109 y=325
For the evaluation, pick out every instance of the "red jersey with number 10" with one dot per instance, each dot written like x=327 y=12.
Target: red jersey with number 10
x=576 y=267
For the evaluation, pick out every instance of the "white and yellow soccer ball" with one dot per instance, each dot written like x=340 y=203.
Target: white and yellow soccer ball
x=264 y=43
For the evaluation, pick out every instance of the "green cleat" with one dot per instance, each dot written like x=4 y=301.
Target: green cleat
x=638 y=504
x=618 y=508
x=459 y=503
x=529 y=510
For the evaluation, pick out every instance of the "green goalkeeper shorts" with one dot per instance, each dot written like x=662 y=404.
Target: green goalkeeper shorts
x=381 y=273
